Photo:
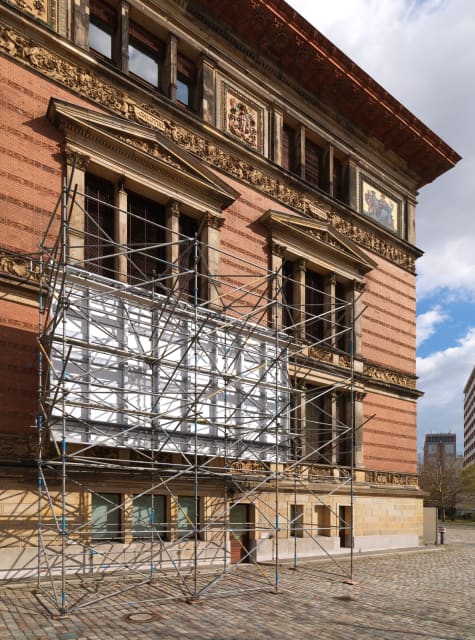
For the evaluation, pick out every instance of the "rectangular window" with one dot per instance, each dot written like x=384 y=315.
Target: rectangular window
x=146 y=240
x=149 y=518
x=343 y=420
x=99 y=227
x=318 y=425
x=342 y=314
x=288 y=148
x=188 y=228
x=313 y=164
x=145 y=55
x=187 y=516
x=314 y=306
x=102 y=28
x=105 y=517
x=296 y=520
x=186 y=81
x=323 y=520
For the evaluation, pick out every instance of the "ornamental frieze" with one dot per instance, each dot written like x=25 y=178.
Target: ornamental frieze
x=390 y=376
x=90 y=85
x=386 y=477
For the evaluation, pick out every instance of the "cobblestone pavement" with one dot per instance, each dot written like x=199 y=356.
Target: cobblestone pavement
x=412 y=595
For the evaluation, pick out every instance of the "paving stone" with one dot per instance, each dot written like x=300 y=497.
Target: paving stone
x=407 y=595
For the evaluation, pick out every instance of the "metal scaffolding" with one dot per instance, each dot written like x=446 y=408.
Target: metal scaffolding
x=180 y=417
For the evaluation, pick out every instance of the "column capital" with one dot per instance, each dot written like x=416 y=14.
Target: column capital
x=214 y=221
x=77 y=160
x=173 y=208
x=277 y=249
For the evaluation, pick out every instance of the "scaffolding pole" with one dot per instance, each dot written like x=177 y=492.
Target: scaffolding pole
x=175 y=424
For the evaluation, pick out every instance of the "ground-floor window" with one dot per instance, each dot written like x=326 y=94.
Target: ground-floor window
x=149 y=517
x=106 y=517
x=188 y=509
x=296 y=520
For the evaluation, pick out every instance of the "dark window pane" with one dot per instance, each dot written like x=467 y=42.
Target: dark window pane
x=146 y=240
x=313 y=163
x=99 y=227
x=337 y=179
x=188 y=231
x=288 y=147
x=314 y=305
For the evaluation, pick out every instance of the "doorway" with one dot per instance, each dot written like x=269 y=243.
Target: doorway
x=240 y=538
x=345 y=529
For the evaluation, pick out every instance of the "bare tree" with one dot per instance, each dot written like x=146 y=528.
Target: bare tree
x=442 y=480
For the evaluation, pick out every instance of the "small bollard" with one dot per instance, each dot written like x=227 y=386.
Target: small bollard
x=442 y=532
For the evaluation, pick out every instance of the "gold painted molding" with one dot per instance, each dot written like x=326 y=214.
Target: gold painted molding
x=92 y=86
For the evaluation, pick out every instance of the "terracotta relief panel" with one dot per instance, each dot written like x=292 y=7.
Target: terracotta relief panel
x=44 y=10
x=243 y=118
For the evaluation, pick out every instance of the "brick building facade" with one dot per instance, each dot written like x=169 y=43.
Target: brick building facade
x=218 y=175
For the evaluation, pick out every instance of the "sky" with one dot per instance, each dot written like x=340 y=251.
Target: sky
x=423 y=53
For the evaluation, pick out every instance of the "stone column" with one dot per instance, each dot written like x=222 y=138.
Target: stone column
x=329 y=324
x=358 y=288
x=277 y=254
x=122 y=53
x=328 y=170
x=276 y=132
x=169 y=77
x=299 y=297
x=208 y=90
x=299 y=160
x=359 y=417
x=351 y=184
x=333 y=413
x=211 y=242
x=120 y=232
x=173 y=248
x=76 y=166
x=409 y=221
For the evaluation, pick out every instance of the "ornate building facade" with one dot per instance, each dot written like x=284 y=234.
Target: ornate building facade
x=207 y=269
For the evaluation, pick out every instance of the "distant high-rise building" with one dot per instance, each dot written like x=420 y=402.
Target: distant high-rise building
x=469 y=420
x=440 y=447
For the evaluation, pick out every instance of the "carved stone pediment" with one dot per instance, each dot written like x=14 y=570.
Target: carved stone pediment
x=104 y=137
x=317 y=239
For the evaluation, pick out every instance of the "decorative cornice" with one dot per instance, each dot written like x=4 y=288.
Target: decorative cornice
x=92 y=86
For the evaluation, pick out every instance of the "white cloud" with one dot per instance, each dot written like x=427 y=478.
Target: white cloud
x=427 y=323
x=422 y=52
x=442 y=377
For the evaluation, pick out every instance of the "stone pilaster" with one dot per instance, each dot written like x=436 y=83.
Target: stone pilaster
x=276 y=133
x=76 y=166
x=170 y=68
x=207 y=88
x=211 y=242
x=299 y=297
x=120 y=232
